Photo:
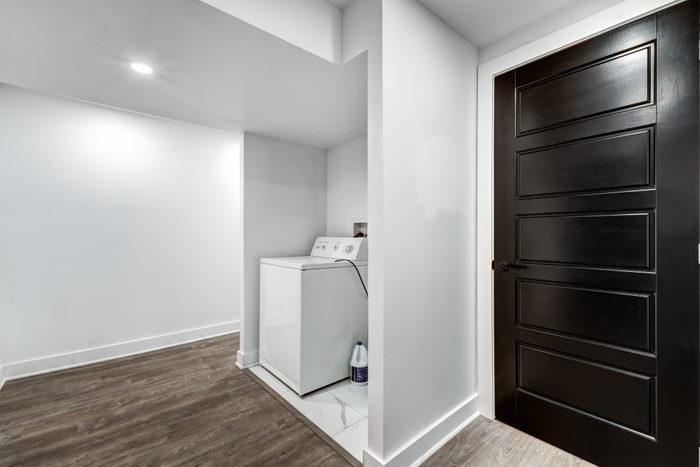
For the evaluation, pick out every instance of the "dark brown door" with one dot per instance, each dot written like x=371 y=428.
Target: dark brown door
x=596 y=270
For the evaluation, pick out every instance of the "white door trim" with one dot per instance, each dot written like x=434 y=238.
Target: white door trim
x=610 y=18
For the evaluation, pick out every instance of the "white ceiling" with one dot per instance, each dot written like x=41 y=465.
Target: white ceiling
x=483 y=22
x=339 y=4
x=211 y=68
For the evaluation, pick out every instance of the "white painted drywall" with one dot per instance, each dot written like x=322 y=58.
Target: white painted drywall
x=347 y=187
x=362 y=33
x=428 y=191
x=2 y=325
x=579 y=31
x=312 y=25
x=3 y=321
x=284 y=210
x=2 y=369
x=486 y=22
x=211 y=69
x=549 y=23
x=115 y=228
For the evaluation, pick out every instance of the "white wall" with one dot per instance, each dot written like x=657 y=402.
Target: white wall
x=362 y=33
x=284 y=210
x=3 y=322
x=312 y=25
x=347 y=187
x=571 y=13
x=427 y=192
x=117 y=231
x=2 y=369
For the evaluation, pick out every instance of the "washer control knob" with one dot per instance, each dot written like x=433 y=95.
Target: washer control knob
x=348 y=249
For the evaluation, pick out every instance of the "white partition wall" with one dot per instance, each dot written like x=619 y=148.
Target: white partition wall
x=347 y=186
x=426 y=189
x=284 y=210
x=2 y=369
x=312 y=25
x=117 y=232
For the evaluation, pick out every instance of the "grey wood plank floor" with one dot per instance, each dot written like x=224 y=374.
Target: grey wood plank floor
x=190 y=405
x=187 y=405
x=491 y=443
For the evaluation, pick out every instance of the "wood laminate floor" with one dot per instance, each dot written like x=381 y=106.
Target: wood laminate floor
x=490 y=443
x=190 y=405
x=187 y=405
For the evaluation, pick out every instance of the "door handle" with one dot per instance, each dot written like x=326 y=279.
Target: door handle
x=507 y=266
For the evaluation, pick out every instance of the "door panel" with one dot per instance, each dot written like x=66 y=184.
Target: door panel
x=621 y=240
x=618 y=395
x=596 y=209
x=598 y=164
x=593 y=50
x=619 y=318
x=612 y=84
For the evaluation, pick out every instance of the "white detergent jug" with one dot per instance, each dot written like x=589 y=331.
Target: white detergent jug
x=358 y=365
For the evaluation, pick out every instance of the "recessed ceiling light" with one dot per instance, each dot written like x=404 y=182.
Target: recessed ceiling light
x=142 y=68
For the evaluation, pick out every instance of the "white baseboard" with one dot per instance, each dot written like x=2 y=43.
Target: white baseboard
x=108 y=352
x=427 y=443
x=247 y=359
x=2 y=376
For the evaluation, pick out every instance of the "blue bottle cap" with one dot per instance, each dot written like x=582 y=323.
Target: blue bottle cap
x=359 y=342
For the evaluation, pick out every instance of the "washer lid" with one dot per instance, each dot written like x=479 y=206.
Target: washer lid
x=309 y=262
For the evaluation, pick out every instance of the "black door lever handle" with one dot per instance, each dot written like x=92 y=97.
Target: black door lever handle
x=507 y=266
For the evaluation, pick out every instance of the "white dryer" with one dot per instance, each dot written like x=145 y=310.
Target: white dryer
x=313 y=309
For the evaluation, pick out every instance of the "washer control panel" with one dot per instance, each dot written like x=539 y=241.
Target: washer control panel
x=340 y=248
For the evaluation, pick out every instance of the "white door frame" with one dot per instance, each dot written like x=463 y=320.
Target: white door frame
x=610 y=18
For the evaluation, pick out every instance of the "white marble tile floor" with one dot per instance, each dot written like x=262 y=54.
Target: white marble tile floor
x=340 y=410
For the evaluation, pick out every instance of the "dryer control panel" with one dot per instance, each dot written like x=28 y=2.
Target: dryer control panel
x=354 y=249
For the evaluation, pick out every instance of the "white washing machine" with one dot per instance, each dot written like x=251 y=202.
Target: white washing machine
x=313 y=309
